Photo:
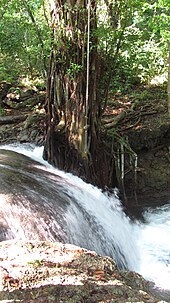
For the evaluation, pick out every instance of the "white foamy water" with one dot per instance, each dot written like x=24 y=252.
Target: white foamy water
x=96 y=221
x=155 y=246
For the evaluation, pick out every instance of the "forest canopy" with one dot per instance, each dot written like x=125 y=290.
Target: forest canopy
x=132 y=39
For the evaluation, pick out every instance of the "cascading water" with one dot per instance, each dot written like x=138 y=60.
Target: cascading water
x=47 y=203
x=66 y=208
x=155 y=246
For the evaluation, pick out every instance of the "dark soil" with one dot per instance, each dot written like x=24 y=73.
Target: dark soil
x=146 y=130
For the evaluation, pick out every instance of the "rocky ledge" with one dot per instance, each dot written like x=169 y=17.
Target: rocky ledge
x=22 y=115
x=55 y=272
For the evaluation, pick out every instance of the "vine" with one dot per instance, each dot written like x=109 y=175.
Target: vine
x=126 y=160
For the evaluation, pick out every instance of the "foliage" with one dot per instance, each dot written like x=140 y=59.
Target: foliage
x=136 y=47
x=133 y=40
x=2 y=111
x=20 y=46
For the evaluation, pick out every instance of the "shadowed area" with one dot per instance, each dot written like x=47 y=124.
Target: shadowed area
x=31 y=200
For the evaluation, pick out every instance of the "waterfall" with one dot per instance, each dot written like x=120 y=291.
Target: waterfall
x=50 y=204
x=155 y=246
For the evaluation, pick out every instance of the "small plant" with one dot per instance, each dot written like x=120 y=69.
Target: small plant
x=74 y=70
x=143 y=95
x=2 y=111
x=35 y=263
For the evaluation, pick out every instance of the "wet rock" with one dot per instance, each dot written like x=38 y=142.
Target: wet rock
x=32 y=129
x=54 y=272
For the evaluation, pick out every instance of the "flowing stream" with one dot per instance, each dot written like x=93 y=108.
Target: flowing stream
x=61 y=207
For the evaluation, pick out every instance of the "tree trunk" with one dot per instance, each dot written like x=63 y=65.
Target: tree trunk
x=168 y=88
x=38 y=36
x=73 y=140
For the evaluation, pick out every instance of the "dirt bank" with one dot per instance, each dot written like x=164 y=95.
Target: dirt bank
x=143 y=129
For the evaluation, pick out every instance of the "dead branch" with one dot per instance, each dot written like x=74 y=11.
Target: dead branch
x=12 y=119
x=127 y=115
x=114 y=121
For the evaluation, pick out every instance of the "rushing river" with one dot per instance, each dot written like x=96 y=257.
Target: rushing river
x=84 y=216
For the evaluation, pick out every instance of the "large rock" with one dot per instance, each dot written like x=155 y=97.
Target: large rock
x=54 y=272
x=31 y=202
x=33 y=270
x=24 y=128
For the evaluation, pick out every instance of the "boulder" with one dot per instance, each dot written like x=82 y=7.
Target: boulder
x=37 y=271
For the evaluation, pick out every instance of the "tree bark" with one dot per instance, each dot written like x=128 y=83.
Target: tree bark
x=38 y=36
x=168 y=88
x=73 y=140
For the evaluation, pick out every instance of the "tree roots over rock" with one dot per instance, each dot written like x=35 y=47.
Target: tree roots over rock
x=95 y=166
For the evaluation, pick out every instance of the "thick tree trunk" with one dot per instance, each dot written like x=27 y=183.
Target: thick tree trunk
x=73 y=141
x=168 y=88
